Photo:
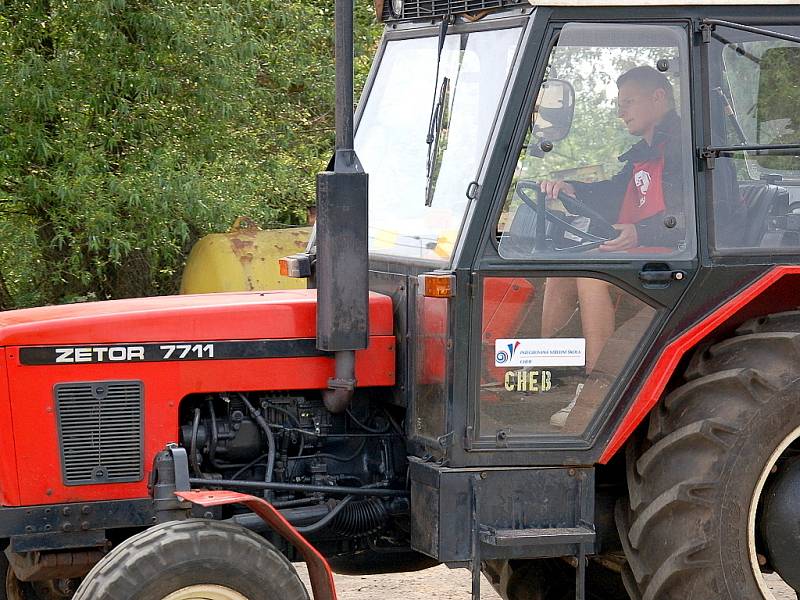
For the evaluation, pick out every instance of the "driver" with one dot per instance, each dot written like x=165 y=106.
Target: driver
x=645 y=198
x=644 y=201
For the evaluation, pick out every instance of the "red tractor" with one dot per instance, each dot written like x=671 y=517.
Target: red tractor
x=561 y=347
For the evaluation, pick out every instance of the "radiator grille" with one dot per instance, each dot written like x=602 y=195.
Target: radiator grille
x=421 y=9
x=100 y=429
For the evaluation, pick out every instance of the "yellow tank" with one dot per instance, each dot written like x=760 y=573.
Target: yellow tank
x=243 y=259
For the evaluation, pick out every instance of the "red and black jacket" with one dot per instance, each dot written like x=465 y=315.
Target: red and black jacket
x=664 y=224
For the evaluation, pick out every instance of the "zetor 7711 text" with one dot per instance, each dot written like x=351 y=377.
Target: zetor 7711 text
x=551 y=335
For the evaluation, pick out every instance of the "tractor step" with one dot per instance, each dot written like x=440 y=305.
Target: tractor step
x=537 y=536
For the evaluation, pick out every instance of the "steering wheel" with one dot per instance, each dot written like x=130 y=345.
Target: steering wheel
x=603 y=230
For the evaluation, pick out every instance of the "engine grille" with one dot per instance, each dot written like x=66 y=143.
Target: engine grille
x=100 y=429
x=426 y=9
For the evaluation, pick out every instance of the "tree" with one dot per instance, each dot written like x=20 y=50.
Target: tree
x=132 y=127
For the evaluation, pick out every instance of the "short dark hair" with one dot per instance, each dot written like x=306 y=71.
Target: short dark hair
x=649 y=78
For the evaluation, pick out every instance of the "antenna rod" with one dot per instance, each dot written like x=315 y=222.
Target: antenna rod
x=344 y=74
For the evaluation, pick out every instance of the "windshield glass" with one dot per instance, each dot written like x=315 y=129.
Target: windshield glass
x=392 y=137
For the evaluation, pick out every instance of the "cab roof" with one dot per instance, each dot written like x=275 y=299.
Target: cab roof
x=644 y=3
x=411 y=10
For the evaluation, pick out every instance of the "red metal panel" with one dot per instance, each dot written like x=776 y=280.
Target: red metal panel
x=668 y=361
x=233 y=316
x=9 y=484
x=505 y=300
x=432 y=340
x=27 y=413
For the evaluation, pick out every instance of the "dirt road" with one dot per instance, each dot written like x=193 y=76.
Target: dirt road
x=439 y=583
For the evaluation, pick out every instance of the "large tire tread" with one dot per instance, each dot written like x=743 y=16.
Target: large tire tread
x=777 y=353
x=782 y=321
x=678 y=469
x=151 y=553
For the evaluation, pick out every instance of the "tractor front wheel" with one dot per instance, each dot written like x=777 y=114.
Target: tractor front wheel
x=192 y=560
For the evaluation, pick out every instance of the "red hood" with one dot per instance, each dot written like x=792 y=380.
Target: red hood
x=228 y=316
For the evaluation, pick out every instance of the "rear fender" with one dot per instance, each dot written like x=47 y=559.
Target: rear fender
x=768 y=294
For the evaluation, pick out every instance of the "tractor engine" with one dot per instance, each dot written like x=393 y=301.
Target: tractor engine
x=253 y=440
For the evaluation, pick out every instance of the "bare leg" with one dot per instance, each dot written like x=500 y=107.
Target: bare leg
x=597 y=323
x=597 y=317
x=560 y=296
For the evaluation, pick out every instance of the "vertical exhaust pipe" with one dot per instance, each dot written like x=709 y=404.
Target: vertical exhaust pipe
x=342 y=254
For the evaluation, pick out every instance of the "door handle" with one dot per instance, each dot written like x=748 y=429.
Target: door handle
x=660 y=277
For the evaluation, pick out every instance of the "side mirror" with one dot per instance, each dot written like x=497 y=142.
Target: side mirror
x=778 y=107
x=553 y=112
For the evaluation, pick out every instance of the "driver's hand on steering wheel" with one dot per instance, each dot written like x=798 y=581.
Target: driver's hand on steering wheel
x=553 y=188
x=627 y=238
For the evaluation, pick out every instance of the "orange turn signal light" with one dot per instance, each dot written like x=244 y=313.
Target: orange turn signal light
x=438 y=285
x=295 y=265
x=283 y=266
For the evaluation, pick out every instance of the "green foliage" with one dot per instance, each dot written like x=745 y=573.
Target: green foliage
x=130 y=128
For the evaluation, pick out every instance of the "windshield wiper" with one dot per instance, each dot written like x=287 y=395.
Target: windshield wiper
x=434 y=139
x=434 y=122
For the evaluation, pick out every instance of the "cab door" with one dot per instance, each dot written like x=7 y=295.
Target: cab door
x=570 y=290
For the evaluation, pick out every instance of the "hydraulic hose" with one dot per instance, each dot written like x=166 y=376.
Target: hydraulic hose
x=349 y=518
x=296 y=487
x=193 y=444
x=323 y=522
x=262 y=423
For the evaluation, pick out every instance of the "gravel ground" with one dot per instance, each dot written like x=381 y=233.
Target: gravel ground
x=438 y=583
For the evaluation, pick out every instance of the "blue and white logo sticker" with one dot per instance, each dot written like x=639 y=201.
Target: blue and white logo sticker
x=540 y=352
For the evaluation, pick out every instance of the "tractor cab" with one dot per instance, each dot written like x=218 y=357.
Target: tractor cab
x=557 y=193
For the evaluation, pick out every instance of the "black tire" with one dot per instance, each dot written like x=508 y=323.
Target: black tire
x=26 y=590
x=13 y=588
x=693 y=476
x=550 y=579
x=769 y=344
x=172 y=556
x=5 y=569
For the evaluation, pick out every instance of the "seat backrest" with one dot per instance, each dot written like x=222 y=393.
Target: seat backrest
x=517 y=241
x=761 y=201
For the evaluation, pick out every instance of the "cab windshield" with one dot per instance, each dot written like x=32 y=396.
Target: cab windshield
x=419 y=174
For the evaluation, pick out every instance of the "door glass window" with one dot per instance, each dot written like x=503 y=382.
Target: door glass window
x=606 y=168
x=755 y=99
x=552 y=348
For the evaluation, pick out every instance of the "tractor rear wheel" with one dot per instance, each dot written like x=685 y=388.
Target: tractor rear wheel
x=712 y=485
x=543 y=579
x=193 y=560
x=36 y=590
x=13 y=588
x=550 y=579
